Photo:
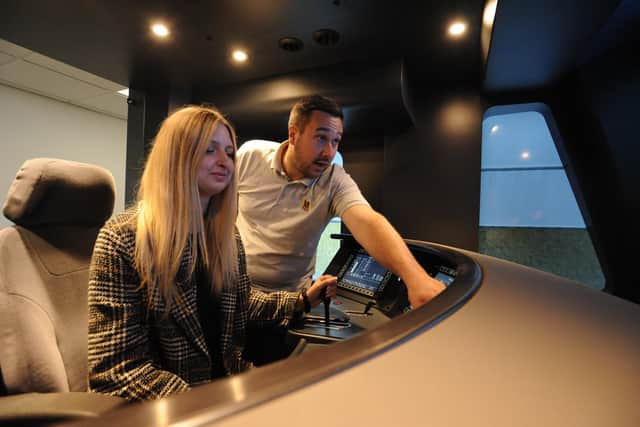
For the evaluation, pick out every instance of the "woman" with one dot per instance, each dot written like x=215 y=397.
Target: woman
x=169 y=296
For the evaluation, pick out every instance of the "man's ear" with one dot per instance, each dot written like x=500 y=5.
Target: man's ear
x=293 y=132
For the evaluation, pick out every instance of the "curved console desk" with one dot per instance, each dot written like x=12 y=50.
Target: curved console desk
x=389 y=322
x=504 y=344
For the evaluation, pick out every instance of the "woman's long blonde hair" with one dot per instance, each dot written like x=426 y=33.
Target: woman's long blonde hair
x=170 y=221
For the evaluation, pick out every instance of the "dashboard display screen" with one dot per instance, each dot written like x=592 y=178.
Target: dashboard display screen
x=364 y=273
x=446 y=275
x=444 y=278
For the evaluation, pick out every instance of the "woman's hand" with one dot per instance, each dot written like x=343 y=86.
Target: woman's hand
x=323 y=282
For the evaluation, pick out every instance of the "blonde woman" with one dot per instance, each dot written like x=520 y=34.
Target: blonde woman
x=169 y=296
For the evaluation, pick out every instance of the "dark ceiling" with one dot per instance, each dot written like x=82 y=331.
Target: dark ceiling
x=112 y=38
x=534 y=42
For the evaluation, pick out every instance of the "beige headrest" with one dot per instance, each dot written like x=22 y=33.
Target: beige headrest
x=53 y=191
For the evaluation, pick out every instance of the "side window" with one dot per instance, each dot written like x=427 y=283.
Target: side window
x=528 y=211
x=327 y=247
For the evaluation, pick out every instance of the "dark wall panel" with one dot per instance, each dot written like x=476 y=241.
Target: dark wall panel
x=431 y=188
x=596 y=109
x=594 y=155
x=368 y=92
x=612 y=86
x=147 y=110
x=365 y=164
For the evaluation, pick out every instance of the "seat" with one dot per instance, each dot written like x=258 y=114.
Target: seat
x=58 y=207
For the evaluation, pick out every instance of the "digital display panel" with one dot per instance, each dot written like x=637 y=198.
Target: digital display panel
x=444 y=278
x=364 y=273
x=446 y=275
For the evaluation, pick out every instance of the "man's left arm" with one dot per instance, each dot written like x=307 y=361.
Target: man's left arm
x=384 y=244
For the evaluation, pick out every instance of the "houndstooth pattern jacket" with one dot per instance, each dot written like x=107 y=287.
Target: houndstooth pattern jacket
x=137 y=353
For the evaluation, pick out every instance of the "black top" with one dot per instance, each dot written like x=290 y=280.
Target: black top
x=209 y=316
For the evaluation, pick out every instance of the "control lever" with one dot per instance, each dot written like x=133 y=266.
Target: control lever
x=366 y=310
x=368 y=307
x=327 y=304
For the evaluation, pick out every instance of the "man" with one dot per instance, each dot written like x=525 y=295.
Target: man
x=289 y=192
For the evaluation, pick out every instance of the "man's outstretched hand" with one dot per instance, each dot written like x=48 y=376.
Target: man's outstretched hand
x=422 y=288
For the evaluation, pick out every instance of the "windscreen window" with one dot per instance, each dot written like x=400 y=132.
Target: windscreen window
x=528 y=210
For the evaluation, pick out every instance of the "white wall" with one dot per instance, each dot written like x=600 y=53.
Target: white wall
x=35 y=126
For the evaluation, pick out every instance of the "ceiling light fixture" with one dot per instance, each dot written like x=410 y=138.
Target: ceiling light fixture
x=326 y=37
x=457 y=29
x=290 y=44
x=239 y=55
x=525 y=155
x=160 y=30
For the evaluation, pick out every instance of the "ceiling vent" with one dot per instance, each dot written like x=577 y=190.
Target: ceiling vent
x=290 y=44
x=326 y=37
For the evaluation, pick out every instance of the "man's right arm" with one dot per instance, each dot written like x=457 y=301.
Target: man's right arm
x=384 y=244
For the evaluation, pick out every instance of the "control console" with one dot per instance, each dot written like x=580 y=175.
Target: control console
x=368 y=294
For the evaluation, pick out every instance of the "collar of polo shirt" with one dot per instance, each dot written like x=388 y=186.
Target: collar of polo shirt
x=277 y=166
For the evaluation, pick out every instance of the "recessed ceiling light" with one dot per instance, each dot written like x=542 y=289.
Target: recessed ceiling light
x=457 y=29
x=525 y=155
x=160 y=30
x=239 y=55
x=290 y=44
x=326 y=37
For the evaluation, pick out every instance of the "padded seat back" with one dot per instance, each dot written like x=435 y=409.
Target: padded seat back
x=58 y=208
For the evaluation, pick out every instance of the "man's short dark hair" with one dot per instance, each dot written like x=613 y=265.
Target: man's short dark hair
x=302 y=110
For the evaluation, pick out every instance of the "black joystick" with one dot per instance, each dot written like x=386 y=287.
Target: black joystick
x=327 y=303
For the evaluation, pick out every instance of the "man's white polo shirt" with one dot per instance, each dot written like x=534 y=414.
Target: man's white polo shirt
x=281 y=220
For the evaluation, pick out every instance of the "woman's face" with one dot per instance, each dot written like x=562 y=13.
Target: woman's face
x=216 y=167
